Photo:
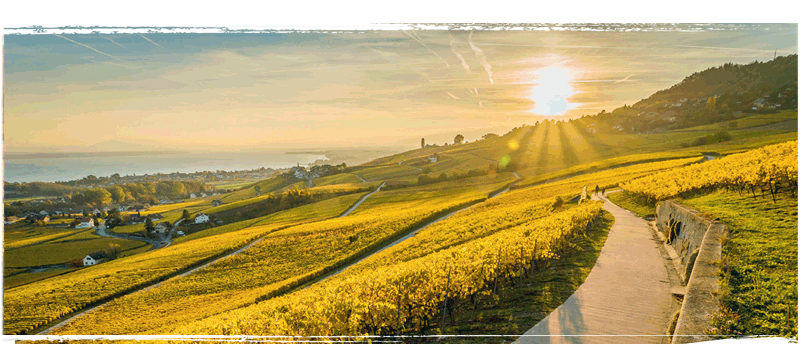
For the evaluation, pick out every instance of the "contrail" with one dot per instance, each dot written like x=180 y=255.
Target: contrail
x=141 y=35
x=383 y=53
x=453 y=97
x=128 y=67
x=476 y=91
x=470 y=91
x=624 y=79
x=480 y=102
x=113 y=41
x=420 y=73
x=89 y=47
x=460 y=57
x=428 y=48
x=481 y=58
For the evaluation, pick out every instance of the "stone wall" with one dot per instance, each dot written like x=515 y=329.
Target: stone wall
x=683 y=230
x=697 y=242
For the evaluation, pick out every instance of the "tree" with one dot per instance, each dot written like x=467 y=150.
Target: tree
x=118 y=194
x=258 y=190
x=458 y=139
x=149 y=225
x=490 y=135
x=113 y=250
x=186 y=215
x=178 y=190
x=422 y=142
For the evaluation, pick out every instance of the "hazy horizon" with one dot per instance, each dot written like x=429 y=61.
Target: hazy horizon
x=233 y=92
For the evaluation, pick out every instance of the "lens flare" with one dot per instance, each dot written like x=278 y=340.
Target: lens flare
x=513 y=144
x=505 y=160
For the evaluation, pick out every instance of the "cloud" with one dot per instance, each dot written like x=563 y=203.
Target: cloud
x=428 y=48
x=90 y=47
x=420 y=73
x=481 y=58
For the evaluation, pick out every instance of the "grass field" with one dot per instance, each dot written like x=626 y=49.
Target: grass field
x=23 y=234
x=64 y=250
x=341 y=178
x=759 y=273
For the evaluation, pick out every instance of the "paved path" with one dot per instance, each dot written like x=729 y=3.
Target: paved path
x=626 y=298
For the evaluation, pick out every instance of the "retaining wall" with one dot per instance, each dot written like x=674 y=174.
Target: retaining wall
x=696 y=242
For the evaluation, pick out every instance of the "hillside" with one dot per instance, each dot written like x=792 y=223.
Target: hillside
x=717 y=94
x=483 y=238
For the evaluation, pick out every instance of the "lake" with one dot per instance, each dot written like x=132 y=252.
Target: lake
x=49 y=168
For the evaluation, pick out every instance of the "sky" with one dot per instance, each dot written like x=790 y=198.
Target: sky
x=230 y=92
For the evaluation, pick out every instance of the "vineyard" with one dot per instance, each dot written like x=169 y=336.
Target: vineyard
x=763 y=172
x=60 y=296
x=279 y=262
x=409 y=296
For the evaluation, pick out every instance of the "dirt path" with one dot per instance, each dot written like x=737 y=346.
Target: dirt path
x=360 y=201
x=626 y=298
x=195 y=269
x=405 y=237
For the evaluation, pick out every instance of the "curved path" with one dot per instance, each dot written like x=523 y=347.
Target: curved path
x=195 y=269
x=626 y=298
x=405 y=237
x=360 y=201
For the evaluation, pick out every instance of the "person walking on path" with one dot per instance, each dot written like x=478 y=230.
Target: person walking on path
x=596 y=189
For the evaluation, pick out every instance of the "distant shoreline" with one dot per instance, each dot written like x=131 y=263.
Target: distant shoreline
x=83 y=154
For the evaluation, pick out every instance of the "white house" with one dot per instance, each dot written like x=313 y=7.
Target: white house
x=86 y=223
x=161 y=228
x=201 y=218
x=432 y=159
x=44 y=213
x=95 y=258
x=192 y=195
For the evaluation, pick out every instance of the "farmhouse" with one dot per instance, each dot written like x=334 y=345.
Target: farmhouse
x=192 y=195
x=85 y=223
x=161 y=228
x=216 y=202
x=201 y=218
x=95 y=258
x=432 y=159
x=154 y=217
x=12 y=219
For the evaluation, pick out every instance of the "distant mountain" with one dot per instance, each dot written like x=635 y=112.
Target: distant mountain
x=713 y=95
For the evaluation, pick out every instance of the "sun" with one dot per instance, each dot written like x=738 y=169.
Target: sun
x=553 y=88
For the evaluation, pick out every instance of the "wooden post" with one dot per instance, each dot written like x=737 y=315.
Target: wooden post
x=446 y=296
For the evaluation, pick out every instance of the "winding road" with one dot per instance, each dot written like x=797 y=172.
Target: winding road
x=626 y=298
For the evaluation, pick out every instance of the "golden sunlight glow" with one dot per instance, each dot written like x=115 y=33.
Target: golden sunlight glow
x=551 y=91
x=513 y=144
